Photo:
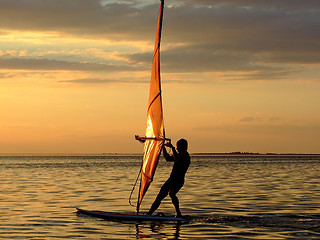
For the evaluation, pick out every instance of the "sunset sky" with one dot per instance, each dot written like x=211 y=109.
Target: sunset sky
x=237 y=75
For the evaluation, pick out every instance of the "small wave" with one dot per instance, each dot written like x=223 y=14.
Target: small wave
x=308 y=222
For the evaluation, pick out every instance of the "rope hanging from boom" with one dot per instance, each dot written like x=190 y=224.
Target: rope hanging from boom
x=134 y=186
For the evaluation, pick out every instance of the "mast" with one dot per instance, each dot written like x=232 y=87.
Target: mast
x=155 y=134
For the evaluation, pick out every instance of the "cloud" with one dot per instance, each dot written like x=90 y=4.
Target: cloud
x=78 y=17
x=3 y=33
x=259 y=119
x=89 y=81
x=49 y=64
x=264 y=23
x=287 y=4
x=248 y=119
x=190 y=59
x=99 y=81
x=235 y=65
x=269 y=73
x=264 y=128
x=265 y=38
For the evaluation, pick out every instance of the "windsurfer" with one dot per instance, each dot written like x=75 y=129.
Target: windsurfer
x=181 y=159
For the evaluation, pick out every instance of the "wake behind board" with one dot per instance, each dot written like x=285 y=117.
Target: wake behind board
x=127 y=217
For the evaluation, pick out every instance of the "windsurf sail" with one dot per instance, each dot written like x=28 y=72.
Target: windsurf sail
x=155 y=134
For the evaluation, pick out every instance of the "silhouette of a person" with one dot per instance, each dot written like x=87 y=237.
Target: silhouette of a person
x=181 y=159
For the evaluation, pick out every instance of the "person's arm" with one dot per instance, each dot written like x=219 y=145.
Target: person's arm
x=175 y=154
x=166 y=154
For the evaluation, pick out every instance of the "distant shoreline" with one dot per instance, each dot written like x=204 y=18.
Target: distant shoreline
x=251 y=153
x=140 y=154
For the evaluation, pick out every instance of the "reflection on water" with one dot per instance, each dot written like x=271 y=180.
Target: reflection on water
x=243 y=197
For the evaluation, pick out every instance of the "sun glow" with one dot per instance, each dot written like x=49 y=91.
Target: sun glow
x=77 y=79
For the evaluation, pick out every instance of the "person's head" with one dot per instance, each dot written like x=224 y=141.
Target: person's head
x=182 y=145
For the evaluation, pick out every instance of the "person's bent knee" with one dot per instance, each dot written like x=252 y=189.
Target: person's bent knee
x=162 y=193
x=172 y=194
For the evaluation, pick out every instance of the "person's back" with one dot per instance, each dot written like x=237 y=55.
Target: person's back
x=180 y=166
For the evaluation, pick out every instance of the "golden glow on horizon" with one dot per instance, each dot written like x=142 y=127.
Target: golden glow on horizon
x=84 y=88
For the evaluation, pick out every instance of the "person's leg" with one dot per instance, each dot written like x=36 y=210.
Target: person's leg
x=175 y=202
x=173 y=194
x=161 y=195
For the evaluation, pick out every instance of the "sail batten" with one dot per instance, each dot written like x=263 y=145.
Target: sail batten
x=155 y=134
x=154 y=99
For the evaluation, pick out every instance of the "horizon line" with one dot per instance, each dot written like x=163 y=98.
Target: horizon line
x=138 y=154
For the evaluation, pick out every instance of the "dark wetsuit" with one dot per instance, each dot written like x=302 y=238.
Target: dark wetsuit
x=175 y=181
x=179 y=169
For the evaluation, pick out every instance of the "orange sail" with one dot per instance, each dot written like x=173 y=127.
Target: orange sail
x=155 y=135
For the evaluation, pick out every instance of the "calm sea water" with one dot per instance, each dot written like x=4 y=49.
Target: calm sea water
x=237 y=197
